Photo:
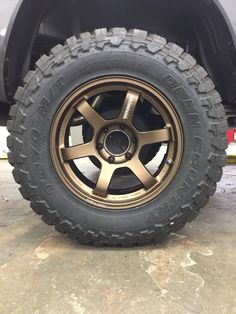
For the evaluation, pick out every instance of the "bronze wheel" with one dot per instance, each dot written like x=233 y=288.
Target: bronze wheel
x=116 y=143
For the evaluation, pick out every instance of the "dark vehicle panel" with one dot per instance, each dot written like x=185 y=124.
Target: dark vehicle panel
x=8 y=12
x=11 y=14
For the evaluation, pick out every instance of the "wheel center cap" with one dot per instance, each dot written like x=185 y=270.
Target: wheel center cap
x=117 y=143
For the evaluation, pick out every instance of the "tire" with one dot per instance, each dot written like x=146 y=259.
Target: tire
x=150 y=59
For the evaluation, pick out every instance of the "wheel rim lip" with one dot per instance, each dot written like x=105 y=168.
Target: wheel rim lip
x=114 y=202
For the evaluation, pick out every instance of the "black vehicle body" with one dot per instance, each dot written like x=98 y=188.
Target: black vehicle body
x=204 y=28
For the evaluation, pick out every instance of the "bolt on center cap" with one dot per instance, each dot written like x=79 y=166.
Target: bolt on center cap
x=117 y=143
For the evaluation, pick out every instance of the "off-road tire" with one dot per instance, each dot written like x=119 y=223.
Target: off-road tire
x=149 y=58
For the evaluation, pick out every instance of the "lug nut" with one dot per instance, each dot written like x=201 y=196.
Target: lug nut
x=128 y=156
x=111 y=160
x=105 y=130
x=122 y=126
x=134 y=140
x=100 y=146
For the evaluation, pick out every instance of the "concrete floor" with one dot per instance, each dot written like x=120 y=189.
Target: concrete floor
x=42 y=271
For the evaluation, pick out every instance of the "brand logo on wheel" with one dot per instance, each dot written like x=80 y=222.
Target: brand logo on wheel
x=131 y=103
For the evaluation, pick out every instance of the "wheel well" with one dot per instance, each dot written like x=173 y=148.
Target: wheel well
x=197 y=26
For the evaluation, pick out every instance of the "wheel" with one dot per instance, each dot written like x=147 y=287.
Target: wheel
x=117 y=138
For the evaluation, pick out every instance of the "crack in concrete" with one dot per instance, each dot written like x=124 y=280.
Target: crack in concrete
x=189 y=262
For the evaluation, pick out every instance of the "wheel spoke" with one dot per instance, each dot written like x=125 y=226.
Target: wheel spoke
x=142 y=173
x=104 y=180
x=78 y=151
x=90 y=114
x=129 y=106
x=157 y=136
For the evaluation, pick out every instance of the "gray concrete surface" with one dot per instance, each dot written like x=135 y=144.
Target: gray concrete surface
x=42 y=271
